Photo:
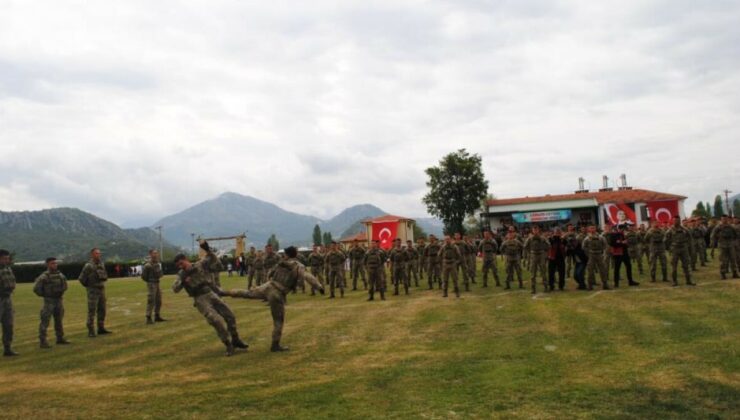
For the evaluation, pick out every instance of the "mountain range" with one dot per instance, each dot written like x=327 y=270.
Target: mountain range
x=69 y=233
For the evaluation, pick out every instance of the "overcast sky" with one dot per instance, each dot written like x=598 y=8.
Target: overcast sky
x=134 y=110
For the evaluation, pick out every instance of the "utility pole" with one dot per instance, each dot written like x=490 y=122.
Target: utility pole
x=161 y=249
x=727 y=202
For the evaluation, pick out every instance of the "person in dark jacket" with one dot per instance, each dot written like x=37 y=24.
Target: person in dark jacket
x=620 y=254
x=556 y=259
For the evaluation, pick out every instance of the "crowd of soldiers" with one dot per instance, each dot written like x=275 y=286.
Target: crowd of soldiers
x=581 y=253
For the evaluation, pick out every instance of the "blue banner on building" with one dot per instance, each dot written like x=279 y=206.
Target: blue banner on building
x=542 y=216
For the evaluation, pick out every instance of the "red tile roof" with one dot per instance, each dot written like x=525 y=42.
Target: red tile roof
x=386 y=218
x=362 y=237
x=616 y=196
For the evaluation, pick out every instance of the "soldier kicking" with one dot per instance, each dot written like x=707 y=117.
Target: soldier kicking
x=197 y=280
x=283 y=279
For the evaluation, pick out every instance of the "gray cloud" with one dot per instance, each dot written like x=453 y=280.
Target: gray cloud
x=316 y=106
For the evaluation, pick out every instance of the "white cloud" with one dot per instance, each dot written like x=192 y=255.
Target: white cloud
x=133 y=110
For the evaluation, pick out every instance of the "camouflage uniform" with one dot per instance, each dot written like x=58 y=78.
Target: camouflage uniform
x=51 y=286
x=258 y=268
x=249 y=264
x=537 y=247
x=462 y=264
x=335 y=261
x=374 y=261
x=679 y=241
x=283 y=279
x=356 y=256
x=472 y=252
x=570 y=238
x=198 y=283
x=398 y=258
x=316 y=264
x=725 y=236
x=271 y=260
x=655 y=241
x=93 y=277
x=700 y=255
x=431 y=255
x=151 y=274
x=7 y=286
x=450 y=255
x=422 y=269
x=594 y=246
x=412 y=264
x=489 y=247
x=634 y=243
x=512 y=251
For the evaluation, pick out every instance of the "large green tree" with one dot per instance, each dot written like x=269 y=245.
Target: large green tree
x=327 y=238
x=719 y=206
x=700 y=211
x=274 y=242
x=317 y=235
x=456 y=188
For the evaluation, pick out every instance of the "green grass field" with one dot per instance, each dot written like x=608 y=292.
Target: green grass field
x=647 y=352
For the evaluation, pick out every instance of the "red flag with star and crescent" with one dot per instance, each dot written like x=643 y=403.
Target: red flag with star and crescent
x=619 y=214
x=385 y=232
x=663 y=211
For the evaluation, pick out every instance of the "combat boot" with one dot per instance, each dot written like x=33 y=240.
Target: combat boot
x=276 y=347
x=149 y=321
x=467 y=287
x=9 y=352
x=238 y=343
x=406 y=289
x=62 y=341
x=457 y=292
x=633 y=283
x=735 y=276
x=103 y=331
x=605 y=286
x=372 y=297
x=43 y=344
x=444 y=294
x=723 y=276
x=158 y=318
x=91 y=332
x=229 y=348
x=382 y=295
x=395 y=290
x=341 y=293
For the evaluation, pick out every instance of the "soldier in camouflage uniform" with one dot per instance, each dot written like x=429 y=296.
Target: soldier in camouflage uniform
x=93 y=277
x=570 y=240
x=335 y=259
x=537 y=246
x=463 y=263
x=7 y=286
x=249 y=265
x=51 y=285
x=431 y=254
x=316 y=264
x=678 y=239
x=197 y=280
x=151 y=273
x=594 y=246
x=471 y=253
x=450 y=255
x=398 y=258
x=634 y=243
x=698 y=233
x=423 y=265
x=283 y=278
x=374 y=262
x=512 y=249
x=271 y=259
x=259 y=268
x=488 y=248
x=412 y=263
x=356 y=256
x=655 y=242
x=724 y=236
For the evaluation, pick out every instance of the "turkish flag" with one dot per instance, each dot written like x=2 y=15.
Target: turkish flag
x=385 y=232
x=663 y=211
x=619 y=214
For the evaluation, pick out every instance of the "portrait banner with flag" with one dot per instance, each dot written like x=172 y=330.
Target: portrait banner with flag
x=619 y=214
x=663 y=211
x=385 y=232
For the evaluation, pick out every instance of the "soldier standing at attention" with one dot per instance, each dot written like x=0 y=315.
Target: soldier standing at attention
x=679 y=241
x=655 y=242
x=93 y=277
x=725 y=236
x=594 y=246
x=412 y=263
x=197 y=280
x=151 y=274
x=7 y=286
x=398 y=257
x=421 y=248
x=249 y=266
x=463 y=263
x=283 y=278
x=431 y=254
x=634 y=243
x=488 y=248
x=512 y=249
x=51 y=285
x=335 y=259
x=472 y=254
x=698 y=233
x=316 y=264
x=374 y=262
x=356 y=256
x=537 y=247
x=450 y=255
x=271 y=259
x=570 y=241
x=259 y=268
